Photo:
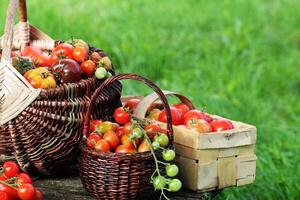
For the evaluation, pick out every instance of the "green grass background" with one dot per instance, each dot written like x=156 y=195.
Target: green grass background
x=239 y=58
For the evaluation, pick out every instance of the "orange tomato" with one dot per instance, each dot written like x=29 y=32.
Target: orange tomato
x=40 y=78
x=144 y=146
x=112 y=138
x=124 y=149
x=125 y=140
x=102 y=145
x=200 y=126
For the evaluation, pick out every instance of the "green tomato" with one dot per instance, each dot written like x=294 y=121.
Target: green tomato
x=162 y=140
x=172 y=170
x=137 y=133
x=159 y=182
x=100 y=73
x=155 y=145
x=168 y=155
x=175 y=185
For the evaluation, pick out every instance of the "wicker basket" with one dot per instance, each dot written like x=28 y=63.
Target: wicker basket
x=107 y=175
x=46 y=134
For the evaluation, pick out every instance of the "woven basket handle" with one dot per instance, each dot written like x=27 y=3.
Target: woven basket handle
x=133 y=77
x=147 y=101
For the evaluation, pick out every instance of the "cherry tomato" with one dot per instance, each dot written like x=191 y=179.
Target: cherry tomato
x=175 y=185
x=162 y=140
x=88 y=67
x=155 y=145
x=105 y=127
x=93 y=139
x=124 y=149
x=61 y=51
x=137 y=133
x=154 y=114
x=12 y=193
x=125 y=140
x=80 y=53
x=177 y=117
x=168 y=155
x=200 y=126
x=26 y=192
x=94 y=124
x=121 y=115
x=121 y=131
x=127 y=127
x=183 y=108
x=152 y=130
x=3 y=177
x=172 y=170
x=10 y=169
x=144 y=146
x=23 y=178
x=100 y=73
x=195 y=114
x=221 y=125
x=102 y=145
x=112 y=138
x=38 y=195
x=131 y=104
x=4 y=196
x=159 y=182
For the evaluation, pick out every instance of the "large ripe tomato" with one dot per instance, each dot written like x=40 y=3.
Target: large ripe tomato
x=4 y=196
x=183 y=108
x=152 y=130
x=12 y=193
x=124 y=149
x=94 y=124
x=10 y=169
x=93 y=139
x=80 y=53
x=221 y=125
x=131 y=104
x=40 y=78
x=144 y=146
x=31 y=52
x=61 y=51
x=195 y=114
x=88 y=67
x=26 y=192
x=200 y=126
x=125 y=140
x=68 y=71
x=121 y=115
x=42 y=60
x=23 y=178
x=177 y=117
x=112 y=138
x=102 y=145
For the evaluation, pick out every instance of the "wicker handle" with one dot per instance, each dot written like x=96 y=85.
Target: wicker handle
x=22 y=11
x=147 y=101
x=133 y=77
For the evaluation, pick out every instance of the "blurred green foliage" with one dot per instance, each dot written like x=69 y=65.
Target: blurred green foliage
x=239 y=59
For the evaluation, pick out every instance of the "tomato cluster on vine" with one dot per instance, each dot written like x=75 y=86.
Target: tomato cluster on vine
x=15 y=185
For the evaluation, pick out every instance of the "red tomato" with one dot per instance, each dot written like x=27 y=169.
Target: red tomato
x=195 y=114
x=93 y=139
x=102 y=145
x=12 y=193
x=23 y=178
x=61 y=51
x=42 y=60
x=131 y=104
x=31 y=52
x=124 y=149
x=121 y=131
x=88 y=67
x=121 y=115
x=125 y=140
x=26 y=192
x=144 y=146
x=176 y=116
x=80 y=53
x=200 y=126
x=94 y=124
x=112 y=138
x=221 y=125
x=4 y=196
x=3 y=177
x=152 y=130
x=127 y=128
x=38 y=195
x=10 y=169
x=183 y=108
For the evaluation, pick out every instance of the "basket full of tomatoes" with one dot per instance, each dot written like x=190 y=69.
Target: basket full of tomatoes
x=45 y=135
x=130 y=157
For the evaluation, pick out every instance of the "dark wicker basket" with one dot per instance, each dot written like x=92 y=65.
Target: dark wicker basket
x=46 y=135
x=107 y=175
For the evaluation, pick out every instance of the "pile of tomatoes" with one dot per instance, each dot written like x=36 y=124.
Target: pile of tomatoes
x=66 y=63
x=15 y=185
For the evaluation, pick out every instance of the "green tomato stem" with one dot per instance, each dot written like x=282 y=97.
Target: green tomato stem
x=10 y=185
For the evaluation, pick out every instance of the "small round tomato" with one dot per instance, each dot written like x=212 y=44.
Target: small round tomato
x=175 y=185
x=4 y=196
x=176 y=116
x=38 y=195
x=102 y=145
x=112 y=138
x=80 y=53
x=26 y=192
x=93 y=139
x=23 y=178
x=127 y=128
x=121 y=131
x=195 y=114
x=168 y=155
x=63 y=50
x=131 y=104
x=162 y=140
x=105 y=127
x=125 y=140
x=124 y=149
x=12 y=193
x=100 y=73
x=137 y=133
x=144 y=146
x=159 y=182
x=183 y=108
x=121 y=115
x=152 y=130
x=172 y=170
x=10 y=169
x=154 y=114
x=88 y=67
x=221 y=125
x=94 y=124
x=200 y=126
